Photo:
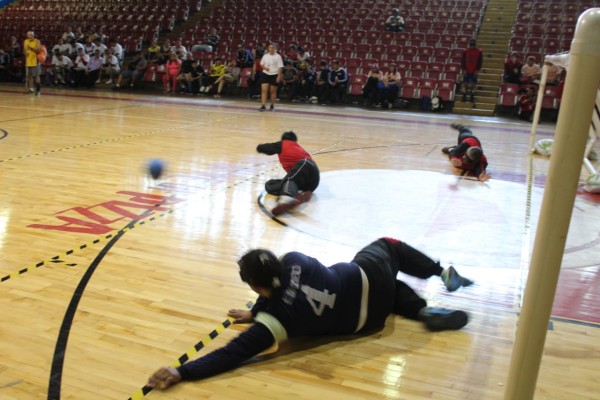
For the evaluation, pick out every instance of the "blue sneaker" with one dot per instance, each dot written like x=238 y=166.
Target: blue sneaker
x=442 y=319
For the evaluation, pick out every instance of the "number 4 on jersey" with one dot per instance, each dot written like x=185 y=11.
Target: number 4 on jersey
x=314 y=296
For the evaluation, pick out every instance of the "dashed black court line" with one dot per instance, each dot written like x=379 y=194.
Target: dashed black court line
x=191 y=352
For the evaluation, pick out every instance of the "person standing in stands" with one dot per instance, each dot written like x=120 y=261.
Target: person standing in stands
x=32 y=47
x=472 y=60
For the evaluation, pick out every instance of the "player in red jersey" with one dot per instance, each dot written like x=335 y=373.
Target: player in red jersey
x=302 y=176
x=468 y=153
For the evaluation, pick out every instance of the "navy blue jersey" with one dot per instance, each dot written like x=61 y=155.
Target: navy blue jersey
x=312 y=300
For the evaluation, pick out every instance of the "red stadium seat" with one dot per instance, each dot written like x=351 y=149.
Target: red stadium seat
x=409 y=88
x=550 y=100
x=508 y=94
x=426 y=87
x=356 y=84
x=446 y=89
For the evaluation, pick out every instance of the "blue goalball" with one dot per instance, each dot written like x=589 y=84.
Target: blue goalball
x=155 y=168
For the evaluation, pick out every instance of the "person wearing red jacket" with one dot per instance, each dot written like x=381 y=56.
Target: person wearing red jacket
x=472 y=60
x=468 y=155
x=302 y=176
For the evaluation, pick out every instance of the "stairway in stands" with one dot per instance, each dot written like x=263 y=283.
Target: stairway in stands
x=493 y=39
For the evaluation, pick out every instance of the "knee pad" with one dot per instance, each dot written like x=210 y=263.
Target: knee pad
x=289 y=188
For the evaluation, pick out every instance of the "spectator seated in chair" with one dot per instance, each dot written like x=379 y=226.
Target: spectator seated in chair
x=135 y=70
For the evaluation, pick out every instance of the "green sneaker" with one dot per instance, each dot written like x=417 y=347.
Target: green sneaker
x=453 y=280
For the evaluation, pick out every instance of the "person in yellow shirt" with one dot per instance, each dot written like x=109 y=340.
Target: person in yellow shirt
x=32 y=48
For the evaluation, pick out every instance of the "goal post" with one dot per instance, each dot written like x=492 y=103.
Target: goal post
x=572 y=128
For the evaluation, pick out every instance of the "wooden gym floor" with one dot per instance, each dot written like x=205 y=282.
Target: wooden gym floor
x=108 y=275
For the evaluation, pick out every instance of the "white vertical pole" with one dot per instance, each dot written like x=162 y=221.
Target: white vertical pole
x=572 y=128
x=538 y=106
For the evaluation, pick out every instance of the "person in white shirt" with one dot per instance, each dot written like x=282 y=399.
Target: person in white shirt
x=79 y=69
x=179 y=49
x=117 y=50
x=111 y=66
x=75 y=46
x=271 y=64
x=99 y=45
x=61 y=64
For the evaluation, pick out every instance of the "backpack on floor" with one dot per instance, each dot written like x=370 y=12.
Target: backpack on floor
x=426 y=103
x=436 y=104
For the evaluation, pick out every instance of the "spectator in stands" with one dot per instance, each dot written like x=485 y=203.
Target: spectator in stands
x=371 y=91
x=321 y=82
x=100 y=35
x=61 y=65
x=4 y=65
x=306 y=84
x=80 y=35
x=271 y=64
x=68 y=35
x=244 y=58
x=254 y=89
x=62 y=47
x=179 y=49
x=217 y=69
x=75 y=46
x=98 y=44
x=291 y=55
x=302 y=55
x=196 y=77
x=165 y=52
x=390 y=85
x=153 y=51
x=172 y=69
x=554 y=74
x=232 y=73
x=78 y=71
x=89 y=46
x=531 y=72
x=210 y=43
x=337 y=84
x=32 y=47
x=472 y=60
x=93 y=68
x=289 y=79
x=117 y=50
x=135 y=70
x=395 y=22
x=111 y=67
x=14 y=48
x=526 y=104
x=185 y=72
x=512 y=68
x=259 y=51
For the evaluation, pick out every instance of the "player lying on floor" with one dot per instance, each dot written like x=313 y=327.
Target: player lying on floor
x=299 y=296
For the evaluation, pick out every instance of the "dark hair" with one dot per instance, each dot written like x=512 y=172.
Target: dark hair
x=289 y=135
x=474 y=153
x=261 y=268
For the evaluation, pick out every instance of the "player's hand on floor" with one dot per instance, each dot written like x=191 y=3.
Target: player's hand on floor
x=456 y=162
x=241 y=316
x=164 y=378
x=484 y=177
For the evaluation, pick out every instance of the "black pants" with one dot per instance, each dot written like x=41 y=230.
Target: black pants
x=304 y=176
x=381 y=261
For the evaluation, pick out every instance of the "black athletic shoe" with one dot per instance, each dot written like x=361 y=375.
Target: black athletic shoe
x=453 y=280
x=447 y=150
x=442 y=319
x=262 y=108
x=456 y=125
x=272 y=108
